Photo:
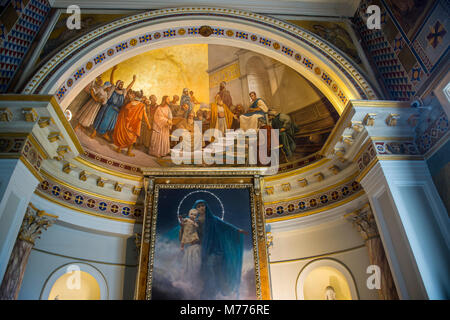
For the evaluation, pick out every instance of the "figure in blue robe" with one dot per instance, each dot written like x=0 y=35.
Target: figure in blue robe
x=107 y=116
x=186 y=99
x=254 y=106
x=222 y=253
x=222 y=246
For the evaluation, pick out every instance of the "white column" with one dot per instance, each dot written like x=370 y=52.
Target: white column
x=16 y=188
x=413 y=225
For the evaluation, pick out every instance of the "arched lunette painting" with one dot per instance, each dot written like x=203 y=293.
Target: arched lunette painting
x=129 y=113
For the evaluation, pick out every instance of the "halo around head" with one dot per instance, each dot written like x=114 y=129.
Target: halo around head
x=204 y=191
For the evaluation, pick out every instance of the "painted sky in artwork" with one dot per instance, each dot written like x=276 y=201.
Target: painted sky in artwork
x=167 y=71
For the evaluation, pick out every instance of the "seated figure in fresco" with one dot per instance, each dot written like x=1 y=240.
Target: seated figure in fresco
x=287 y=130
x=99 y=95
x=257 y=109
x=129 y=120
x=107 y=116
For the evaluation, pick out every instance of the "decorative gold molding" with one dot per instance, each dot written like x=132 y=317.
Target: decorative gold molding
x=334 y=169
x=56 y=107
x=369 y=119
x=42 y=212
x=42 y=195
x=67 y=167
x=108 y=171
x=348 y=179
x=385 y=138
x=297 y=171
x=319 y=176
x=100 y=182
x=44 y=122
x=6 y=115
x=400 y=157
x=53 y=136
x=49 y=176
x=392 y=119
x=311 y=212
x=83 y=175
x=303 y=182
x=30 y=114
x=269 y=190
x=380 y=104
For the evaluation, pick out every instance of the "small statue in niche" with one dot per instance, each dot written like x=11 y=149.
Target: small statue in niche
x=330 y=294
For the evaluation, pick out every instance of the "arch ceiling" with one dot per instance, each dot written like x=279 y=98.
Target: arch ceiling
x=70 y=70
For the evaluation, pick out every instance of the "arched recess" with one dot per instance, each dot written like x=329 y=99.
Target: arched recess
x=71 y=269
x=327 y=68
x=332 y=264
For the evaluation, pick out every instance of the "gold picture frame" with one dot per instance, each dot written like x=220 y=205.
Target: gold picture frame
x=153 y=186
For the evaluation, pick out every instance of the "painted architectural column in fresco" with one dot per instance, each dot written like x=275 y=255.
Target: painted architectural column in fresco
x=275 y=72
x=34 y=222
x=364 y=221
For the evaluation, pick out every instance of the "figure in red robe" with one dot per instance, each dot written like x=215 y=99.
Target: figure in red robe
x=128 y=125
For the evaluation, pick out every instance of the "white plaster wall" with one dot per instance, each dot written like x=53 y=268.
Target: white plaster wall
x=114 y=257
x=105 y=244
x=319 y=241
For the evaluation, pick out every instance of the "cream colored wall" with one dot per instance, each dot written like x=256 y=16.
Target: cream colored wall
x=304 y=245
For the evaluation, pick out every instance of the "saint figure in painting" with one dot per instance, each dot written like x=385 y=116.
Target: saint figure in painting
x=186 y=102
x=225 y=95
x=107 y=116
x=99 y=95
x=222 y=246
x=221 y=115
x=287 y=129
x=129 y=120
x=257 y=109
x=162 y=122
x=150 y=108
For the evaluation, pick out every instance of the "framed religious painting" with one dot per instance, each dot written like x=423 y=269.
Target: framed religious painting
x=205 y=241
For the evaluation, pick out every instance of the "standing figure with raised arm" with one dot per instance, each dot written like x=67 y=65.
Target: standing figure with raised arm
x=107 y=116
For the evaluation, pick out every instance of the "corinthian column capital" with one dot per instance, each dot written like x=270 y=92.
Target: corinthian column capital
x=364 y=221
x=34 y=222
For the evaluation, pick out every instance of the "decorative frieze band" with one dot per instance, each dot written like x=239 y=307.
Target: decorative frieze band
x=311 y=202
x=86 y=202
